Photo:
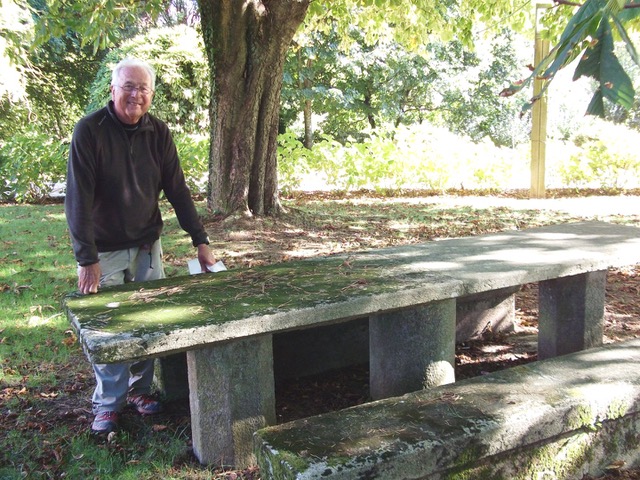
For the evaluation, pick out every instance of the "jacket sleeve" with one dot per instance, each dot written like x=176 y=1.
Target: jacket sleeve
x=80 y=194
x=177 y=192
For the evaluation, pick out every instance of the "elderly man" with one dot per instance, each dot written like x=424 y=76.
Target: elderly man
x=121 y=159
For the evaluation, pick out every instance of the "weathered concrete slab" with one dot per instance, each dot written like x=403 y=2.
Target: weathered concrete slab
x=211 y=315
x=558 y=418
x=315 y=350
x=167 y=316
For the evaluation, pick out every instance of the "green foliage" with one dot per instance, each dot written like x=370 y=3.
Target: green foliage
x=417 y=156
x=193 y=151
x=182 y=94
x=415 y=23
x=367 y=86
x=43 y=84
x=616 y=113
x=470 y=104
x=293 y=161
x=31 y=163
x=590 y=31
x=90 y=19
x=608 y=158
x=429 y=157
x=16 y=32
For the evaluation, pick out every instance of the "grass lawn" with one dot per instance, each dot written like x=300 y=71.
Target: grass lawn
x=46 y=382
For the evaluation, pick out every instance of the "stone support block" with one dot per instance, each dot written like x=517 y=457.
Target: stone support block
x=170 y=377
x=412 y=349
x=492 y=311
x=232 y=394
x=571 y=313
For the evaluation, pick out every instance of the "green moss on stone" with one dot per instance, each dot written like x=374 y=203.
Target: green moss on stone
x=188 y=302
x=483 y=472
x=280 y=464
x=563 y=459
x=617 y=409
x=582 y=416
x=467 y=466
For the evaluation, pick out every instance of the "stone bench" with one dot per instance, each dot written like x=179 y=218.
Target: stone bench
x=558 y=418
x=226 y=321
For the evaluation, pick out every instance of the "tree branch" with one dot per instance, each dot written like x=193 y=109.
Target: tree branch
x=576 y=4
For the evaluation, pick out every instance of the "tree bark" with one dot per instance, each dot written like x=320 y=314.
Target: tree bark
x=308 y=110
x=246 y=42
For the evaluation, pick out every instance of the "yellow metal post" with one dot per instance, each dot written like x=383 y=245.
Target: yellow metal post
x=539 y=117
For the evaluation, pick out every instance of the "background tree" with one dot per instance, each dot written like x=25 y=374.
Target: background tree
x=360 y=88
x=471 y=105
x=246 y=43
x=43 y=94
x=366 y=88
x=50 y=79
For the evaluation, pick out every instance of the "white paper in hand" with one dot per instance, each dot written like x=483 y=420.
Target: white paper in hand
x=195 y=268
x=217 y=267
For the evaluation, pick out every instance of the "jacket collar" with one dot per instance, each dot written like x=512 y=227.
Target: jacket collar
x=145 y=121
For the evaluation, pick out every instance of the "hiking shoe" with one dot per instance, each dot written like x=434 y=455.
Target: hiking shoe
x=144 y=404
x=105 y=422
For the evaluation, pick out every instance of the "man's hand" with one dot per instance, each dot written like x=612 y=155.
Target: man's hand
x=89 y=278
x=205 y=257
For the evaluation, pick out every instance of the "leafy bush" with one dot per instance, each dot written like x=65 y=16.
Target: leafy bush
x=607 y=158
x=182 y=76
x=31 y=164
x=293 y=161
x=193 y=151
x=417 y=156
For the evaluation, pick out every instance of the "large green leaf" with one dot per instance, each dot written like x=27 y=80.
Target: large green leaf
x=631 y=49
x=589 y=30
x=573 y=40
x=600 y=63
x=596 y=105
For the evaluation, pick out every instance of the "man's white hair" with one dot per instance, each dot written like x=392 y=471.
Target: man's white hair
x=133 y=62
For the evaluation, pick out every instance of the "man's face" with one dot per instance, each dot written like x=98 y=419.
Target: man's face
x=127 y=94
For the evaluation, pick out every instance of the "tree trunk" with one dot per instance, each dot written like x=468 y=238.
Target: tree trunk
x=246 y=43
x=308 y=111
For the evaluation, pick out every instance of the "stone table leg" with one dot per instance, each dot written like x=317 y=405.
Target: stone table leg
x=171 y=377
x=494 y=311
x=231 y=394
x=412 y=349
x=571 y=316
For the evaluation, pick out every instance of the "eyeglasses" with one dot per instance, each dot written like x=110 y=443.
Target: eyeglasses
x=129 y=88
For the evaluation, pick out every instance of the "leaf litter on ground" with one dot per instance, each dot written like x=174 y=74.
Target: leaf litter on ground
x=315 y=224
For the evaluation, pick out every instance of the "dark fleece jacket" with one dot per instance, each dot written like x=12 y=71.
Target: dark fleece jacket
x=114 y=181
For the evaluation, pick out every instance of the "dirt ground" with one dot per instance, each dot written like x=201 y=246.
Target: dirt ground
x=348 y=387
x=314 y=395
x=242 y=243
